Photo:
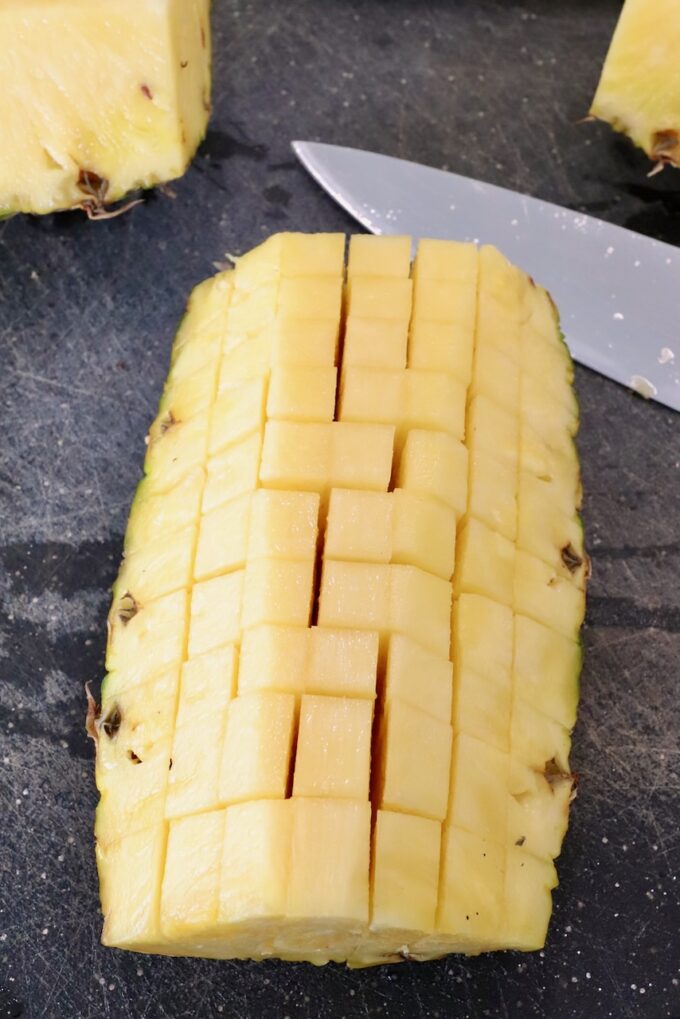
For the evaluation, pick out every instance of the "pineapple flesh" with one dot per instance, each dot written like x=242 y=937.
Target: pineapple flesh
x=639 y=90
x=98 y=99
x=343 y=646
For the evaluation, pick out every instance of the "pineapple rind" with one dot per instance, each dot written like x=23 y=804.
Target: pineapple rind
x=306 y=571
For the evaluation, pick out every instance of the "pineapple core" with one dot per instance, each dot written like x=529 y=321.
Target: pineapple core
x=99 y=97
x=639 y=91
x=343 y=654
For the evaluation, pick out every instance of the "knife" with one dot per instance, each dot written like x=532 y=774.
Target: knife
x=618 y=292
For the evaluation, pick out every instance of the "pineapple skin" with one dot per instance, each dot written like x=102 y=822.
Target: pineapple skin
x=92 y=107
x=639 y=90
x=391 y=783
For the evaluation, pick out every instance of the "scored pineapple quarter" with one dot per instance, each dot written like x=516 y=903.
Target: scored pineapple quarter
x=639 y=90
x=343 y=646
x=97 y=102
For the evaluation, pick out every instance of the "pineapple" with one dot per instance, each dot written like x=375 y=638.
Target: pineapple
x=343 y=646
x=99 y=99
x=639 y=90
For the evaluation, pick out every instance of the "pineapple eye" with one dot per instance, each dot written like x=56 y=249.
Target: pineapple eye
x=132 y=756
x=571 y=559
x=112 y=723
x=127 y=608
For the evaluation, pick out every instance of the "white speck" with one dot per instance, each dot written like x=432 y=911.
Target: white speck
x=568 y=929
x=609 y=251
x=665 y=355
x=452 y=208
x=668 y=262
x=24 y=792
x=643 y=989
x=3 y=937
x=112 y=987
x=514 y=222
x=618 y=316
x=633 y=987
x=587 y=976
x=637 y=263
x=605 y=840
x=647 y=389
x=45 y=930
x=102 y=981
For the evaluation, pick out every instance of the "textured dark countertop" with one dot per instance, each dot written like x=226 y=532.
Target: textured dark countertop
x=490 y=88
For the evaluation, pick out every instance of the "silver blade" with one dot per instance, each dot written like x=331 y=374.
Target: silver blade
x=618 y=292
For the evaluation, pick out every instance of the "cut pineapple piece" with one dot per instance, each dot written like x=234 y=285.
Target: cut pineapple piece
x=257 y=747
x=95 y=109
x=298 y=572
x=639 y=91
x=333 y=747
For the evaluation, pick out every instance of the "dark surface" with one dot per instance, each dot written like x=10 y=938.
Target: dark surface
x=491 y=89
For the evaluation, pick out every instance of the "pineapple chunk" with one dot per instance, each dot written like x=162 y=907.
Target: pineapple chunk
x=257 y=747
x=333 y=747
x=191 y=878
x=208 y=685
x=379 y=256
x=404 y=880
x=354 y=766
x=96 y=109
x=639 y=91
x=327 y=896
x=413 y=761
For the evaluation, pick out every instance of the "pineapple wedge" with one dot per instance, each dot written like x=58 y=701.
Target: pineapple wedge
x=343 y=646
x=99 y=99
x=639 y=90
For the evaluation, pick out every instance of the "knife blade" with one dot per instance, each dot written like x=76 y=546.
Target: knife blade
x=618 y=291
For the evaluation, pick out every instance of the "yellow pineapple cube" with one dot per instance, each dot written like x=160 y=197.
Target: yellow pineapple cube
x=327 y=897
x=277 y=591
x=130 y=878
x=443 y=346
x=545 y=670
x=418 y=677
x=301 y=393
x=208 y=684
x=447 y=260
x=215 y=612
x=478 y=796
x=232 y=472
x=374 y=297
x=359 y=526
x=413 y=760
x=375 y=343
x=333 y=753
x=283 y=525
x=379 y=256
x=223 y=538
x=492 y=493
x=471 y=894
x=490 y=429
x=238 y=411
x=405 y=877
x=311 y=297
x=538 y=740
x=423 y=533
x=254 y=876
x=527 y=900
x=257 y=747
x=485 y=563
x=191 y=877
x=342 y=663
x=435 y=464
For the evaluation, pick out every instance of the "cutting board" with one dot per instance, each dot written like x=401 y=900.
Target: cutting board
x=489 y=88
